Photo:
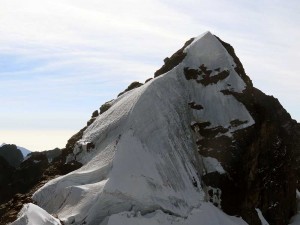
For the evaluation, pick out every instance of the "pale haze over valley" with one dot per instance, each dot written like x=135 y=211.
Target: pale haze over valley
x=61 y=60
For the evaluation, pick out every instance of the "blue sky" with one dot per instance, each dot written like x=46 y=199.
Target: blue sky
x=61 y=59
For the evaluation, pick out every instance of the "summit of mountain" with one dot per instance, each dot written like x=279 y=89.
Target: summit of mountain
x=197 y=143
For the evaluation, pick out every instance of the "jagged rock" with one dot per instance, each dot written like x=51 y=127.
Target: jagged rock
x=106 y=106
x=90 y=121
x=19 y=184
x=11 y=154
x=132 y=86
x=236 y=123
x=95 y=113
x=193 y=105
x=174 y=60
x=191 y=74
x=148 y=80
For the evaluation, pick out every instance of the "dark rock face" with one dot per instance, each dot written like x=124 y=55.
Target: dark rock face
x=269 y=160
x=20 y=180
x=193 y=105
x=11 y=154
x=95 y=114
x=148 y=80
x=296 y=145
x=105 y=106
x=39 y=168
x=203 y=75
x=6 y=171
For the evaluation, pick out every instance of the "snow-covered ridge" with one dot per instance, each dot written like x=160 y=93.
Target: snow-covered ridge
x=34 y=215
x=144 y=156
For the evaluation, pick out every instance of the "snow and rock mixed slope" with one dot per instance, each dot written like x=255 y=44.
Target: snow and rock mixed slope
x=143 y=159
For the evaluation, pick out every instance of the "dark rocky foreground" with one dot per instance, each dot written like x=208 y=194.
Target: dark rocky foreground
x=18 y=184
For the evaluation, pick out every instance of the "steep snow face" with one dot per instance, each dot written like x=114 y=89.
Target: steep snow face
x=218 y=108
x=143 y=159
x=141 y=154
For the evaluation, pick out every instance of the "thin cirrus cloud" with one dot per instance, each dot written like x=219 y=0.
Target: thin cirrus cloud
x=67 y=57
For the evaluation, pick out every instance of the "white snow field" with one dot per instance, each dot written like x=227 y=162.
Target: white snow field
x=145 y=168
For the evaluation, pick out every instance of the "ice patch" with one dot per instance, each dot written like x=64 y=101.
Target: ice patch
x=213 y=165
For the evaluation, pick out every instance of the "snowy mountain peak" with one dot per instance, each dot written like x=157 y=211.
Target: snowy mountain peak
x=141 y=154
x=163 y=150
x=201 y=37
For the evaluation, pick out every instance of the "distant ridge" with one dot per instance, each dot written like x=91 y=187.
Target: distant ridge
x=24 y=151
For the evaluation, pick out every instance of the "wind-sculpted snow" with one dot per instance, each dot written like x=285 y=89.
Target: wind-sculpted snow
x=34 y=215
x=144 y=155
x=139 y=162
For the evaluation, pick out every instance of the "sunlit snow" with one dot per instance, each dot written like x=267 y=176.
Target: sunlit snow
x=145 y=168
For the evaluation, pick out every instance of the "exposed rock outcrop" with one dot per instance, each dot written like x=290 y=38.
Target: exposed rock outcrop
x=132 y=86
x=11 y=154
x=174 y=60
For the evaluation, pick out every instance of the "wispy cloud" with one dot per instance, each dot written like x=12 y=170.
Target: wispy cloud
x=68 y=56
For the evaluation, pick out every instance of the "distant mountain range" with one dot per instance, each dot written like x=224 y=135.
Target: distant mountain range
x=20 y=170
x=24 y=151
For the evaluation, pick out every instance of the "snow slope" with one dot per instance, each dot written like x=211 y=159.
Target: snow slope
x=206 y=214
x=34 y=215
x=145 y=168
